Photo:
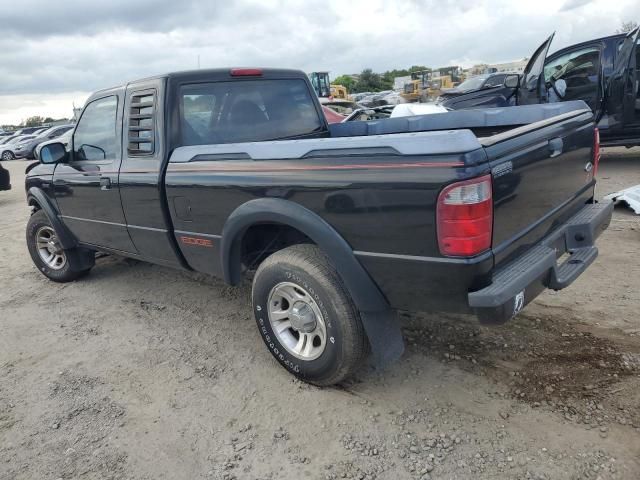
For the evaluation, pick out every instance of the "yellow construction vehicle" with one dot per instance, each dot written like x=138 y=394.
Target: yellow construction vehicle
x=437 y=84
x=426 y=85
x=320 y=83
x=415 y=90
x=339 y=92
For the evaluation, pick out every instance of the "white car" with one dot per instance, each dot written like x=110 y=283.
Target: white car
x=64 y=139
x=7 y=150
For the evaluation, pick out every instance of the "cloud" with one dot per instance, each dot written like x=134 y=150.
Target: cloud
x=573 y=4
x=16 y=108
x=50 y=49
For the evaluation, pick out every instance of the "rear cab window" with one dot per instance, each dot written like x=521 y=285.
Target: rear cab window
x=247 y=111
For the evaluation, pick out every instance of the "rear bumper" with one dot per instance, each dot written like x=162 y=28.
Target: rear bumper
x=518 y=282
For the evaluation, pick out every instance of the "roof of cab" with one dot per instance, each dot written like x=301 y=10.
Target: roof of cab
x=211 y=74
x=588 y=42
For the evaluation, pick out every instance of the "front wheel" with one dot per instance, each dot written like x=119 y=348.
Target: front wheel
x=306 y=317
x=7 y=155
x=47 y=253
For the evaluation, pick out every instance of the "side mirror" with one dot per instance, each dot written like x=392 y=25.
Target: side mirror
x=511 y=81
x=53 y=153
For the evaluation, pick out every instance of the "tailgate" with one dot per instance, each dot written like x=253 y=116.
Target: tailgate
x=542 y=174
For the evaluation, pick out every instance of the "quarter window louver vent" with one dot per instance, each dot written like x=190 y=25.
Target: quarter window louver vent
x=142 y=111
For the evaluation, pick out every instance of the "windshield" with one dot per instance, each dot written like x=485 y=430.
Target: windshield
x=45 y=132
x=473 y=83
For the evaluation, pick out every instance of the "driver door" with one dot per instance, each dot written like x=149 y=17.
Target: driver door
x=86 y=186
x=622 y=85
x=532 y=86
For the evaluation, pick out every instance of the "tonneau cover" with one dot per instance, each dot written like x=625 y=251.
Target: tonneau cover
x=477 y=118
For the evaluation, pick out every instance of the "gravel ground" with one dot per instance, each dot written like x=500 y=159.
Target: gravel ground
x=142 y=372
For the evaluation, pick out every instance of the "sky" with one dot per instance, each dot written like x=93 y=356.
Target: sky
x=54 y=53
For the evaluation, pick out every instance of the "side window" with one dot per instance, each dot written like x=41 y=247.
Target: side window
x=247 y=111
x=580 y=70
x=58 y=131
x=577 y=68
x=531 y=80
x=95 y=136
x=495 y=81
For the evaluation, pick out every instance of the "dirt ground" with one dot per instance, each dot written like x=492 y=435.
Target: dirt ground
x=142 y=372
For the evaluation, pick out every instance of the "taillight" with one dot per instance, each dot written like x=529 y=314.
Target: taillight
x=246 y=72
x=596 y=151
x=465 y=217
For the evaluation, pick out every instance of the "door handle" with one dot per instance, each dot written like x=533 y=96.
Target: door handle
x=59 y=182
x=105 y=183
x=555 y=146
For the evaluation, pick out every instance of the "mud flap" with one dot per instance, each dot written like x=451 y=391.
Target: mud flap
x=385 y=337
x=80 y=259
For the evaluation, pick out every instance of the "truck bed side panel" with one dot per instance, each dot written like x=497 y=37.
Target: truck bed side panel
x=378 y=205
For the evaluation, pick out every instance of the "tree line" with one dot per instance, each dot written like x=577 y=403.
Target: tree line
x=34 y=121
x=370 y=81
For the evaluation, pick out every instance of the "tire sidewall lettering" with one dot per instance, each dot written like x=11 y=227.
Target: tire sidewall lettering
x=272 y=346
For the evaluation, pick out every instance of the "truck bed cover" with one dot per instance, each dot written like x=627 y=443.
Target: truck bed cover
x=459 y=119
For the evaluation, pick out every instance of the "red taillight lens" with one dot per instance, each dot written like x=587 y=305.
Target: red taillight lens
x=596 y=151
x=246 y=72
x=465 y=217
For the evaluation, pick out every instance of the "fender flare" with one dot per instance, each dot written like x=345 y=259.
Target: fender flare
x=364 y=291
x=379 y=320
x=37 y=195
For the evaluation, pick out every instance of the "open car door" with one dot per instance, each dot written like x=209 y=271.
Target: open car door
x=532 y=87
x=620 y=95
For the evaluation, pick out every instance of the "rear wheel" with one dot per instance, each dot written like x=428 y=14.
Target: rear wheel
x=47 y=253
x=306 y=317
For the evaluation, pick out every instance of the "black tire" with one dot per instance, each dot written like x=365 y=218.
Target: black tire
x=7 y=156
x=64 y=274
x=346 y=344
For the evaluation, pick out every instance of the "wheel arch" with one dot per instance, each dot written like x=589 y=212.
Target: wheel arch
x=275 y=210
x=38 y=199
x=378 y=318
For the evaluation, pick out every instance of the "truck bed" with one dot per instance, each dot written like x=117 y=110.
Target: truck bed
x=376 y=184
x=483 y=122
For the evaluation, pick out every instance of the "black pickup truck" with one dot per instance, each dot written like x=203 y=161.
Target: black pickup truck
x=5 y=179
x=603 y=72
x=233 y=172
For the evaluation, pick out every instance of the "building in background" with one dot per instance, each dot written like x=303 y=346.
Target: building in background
x=76 y=114
x=516 y=66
